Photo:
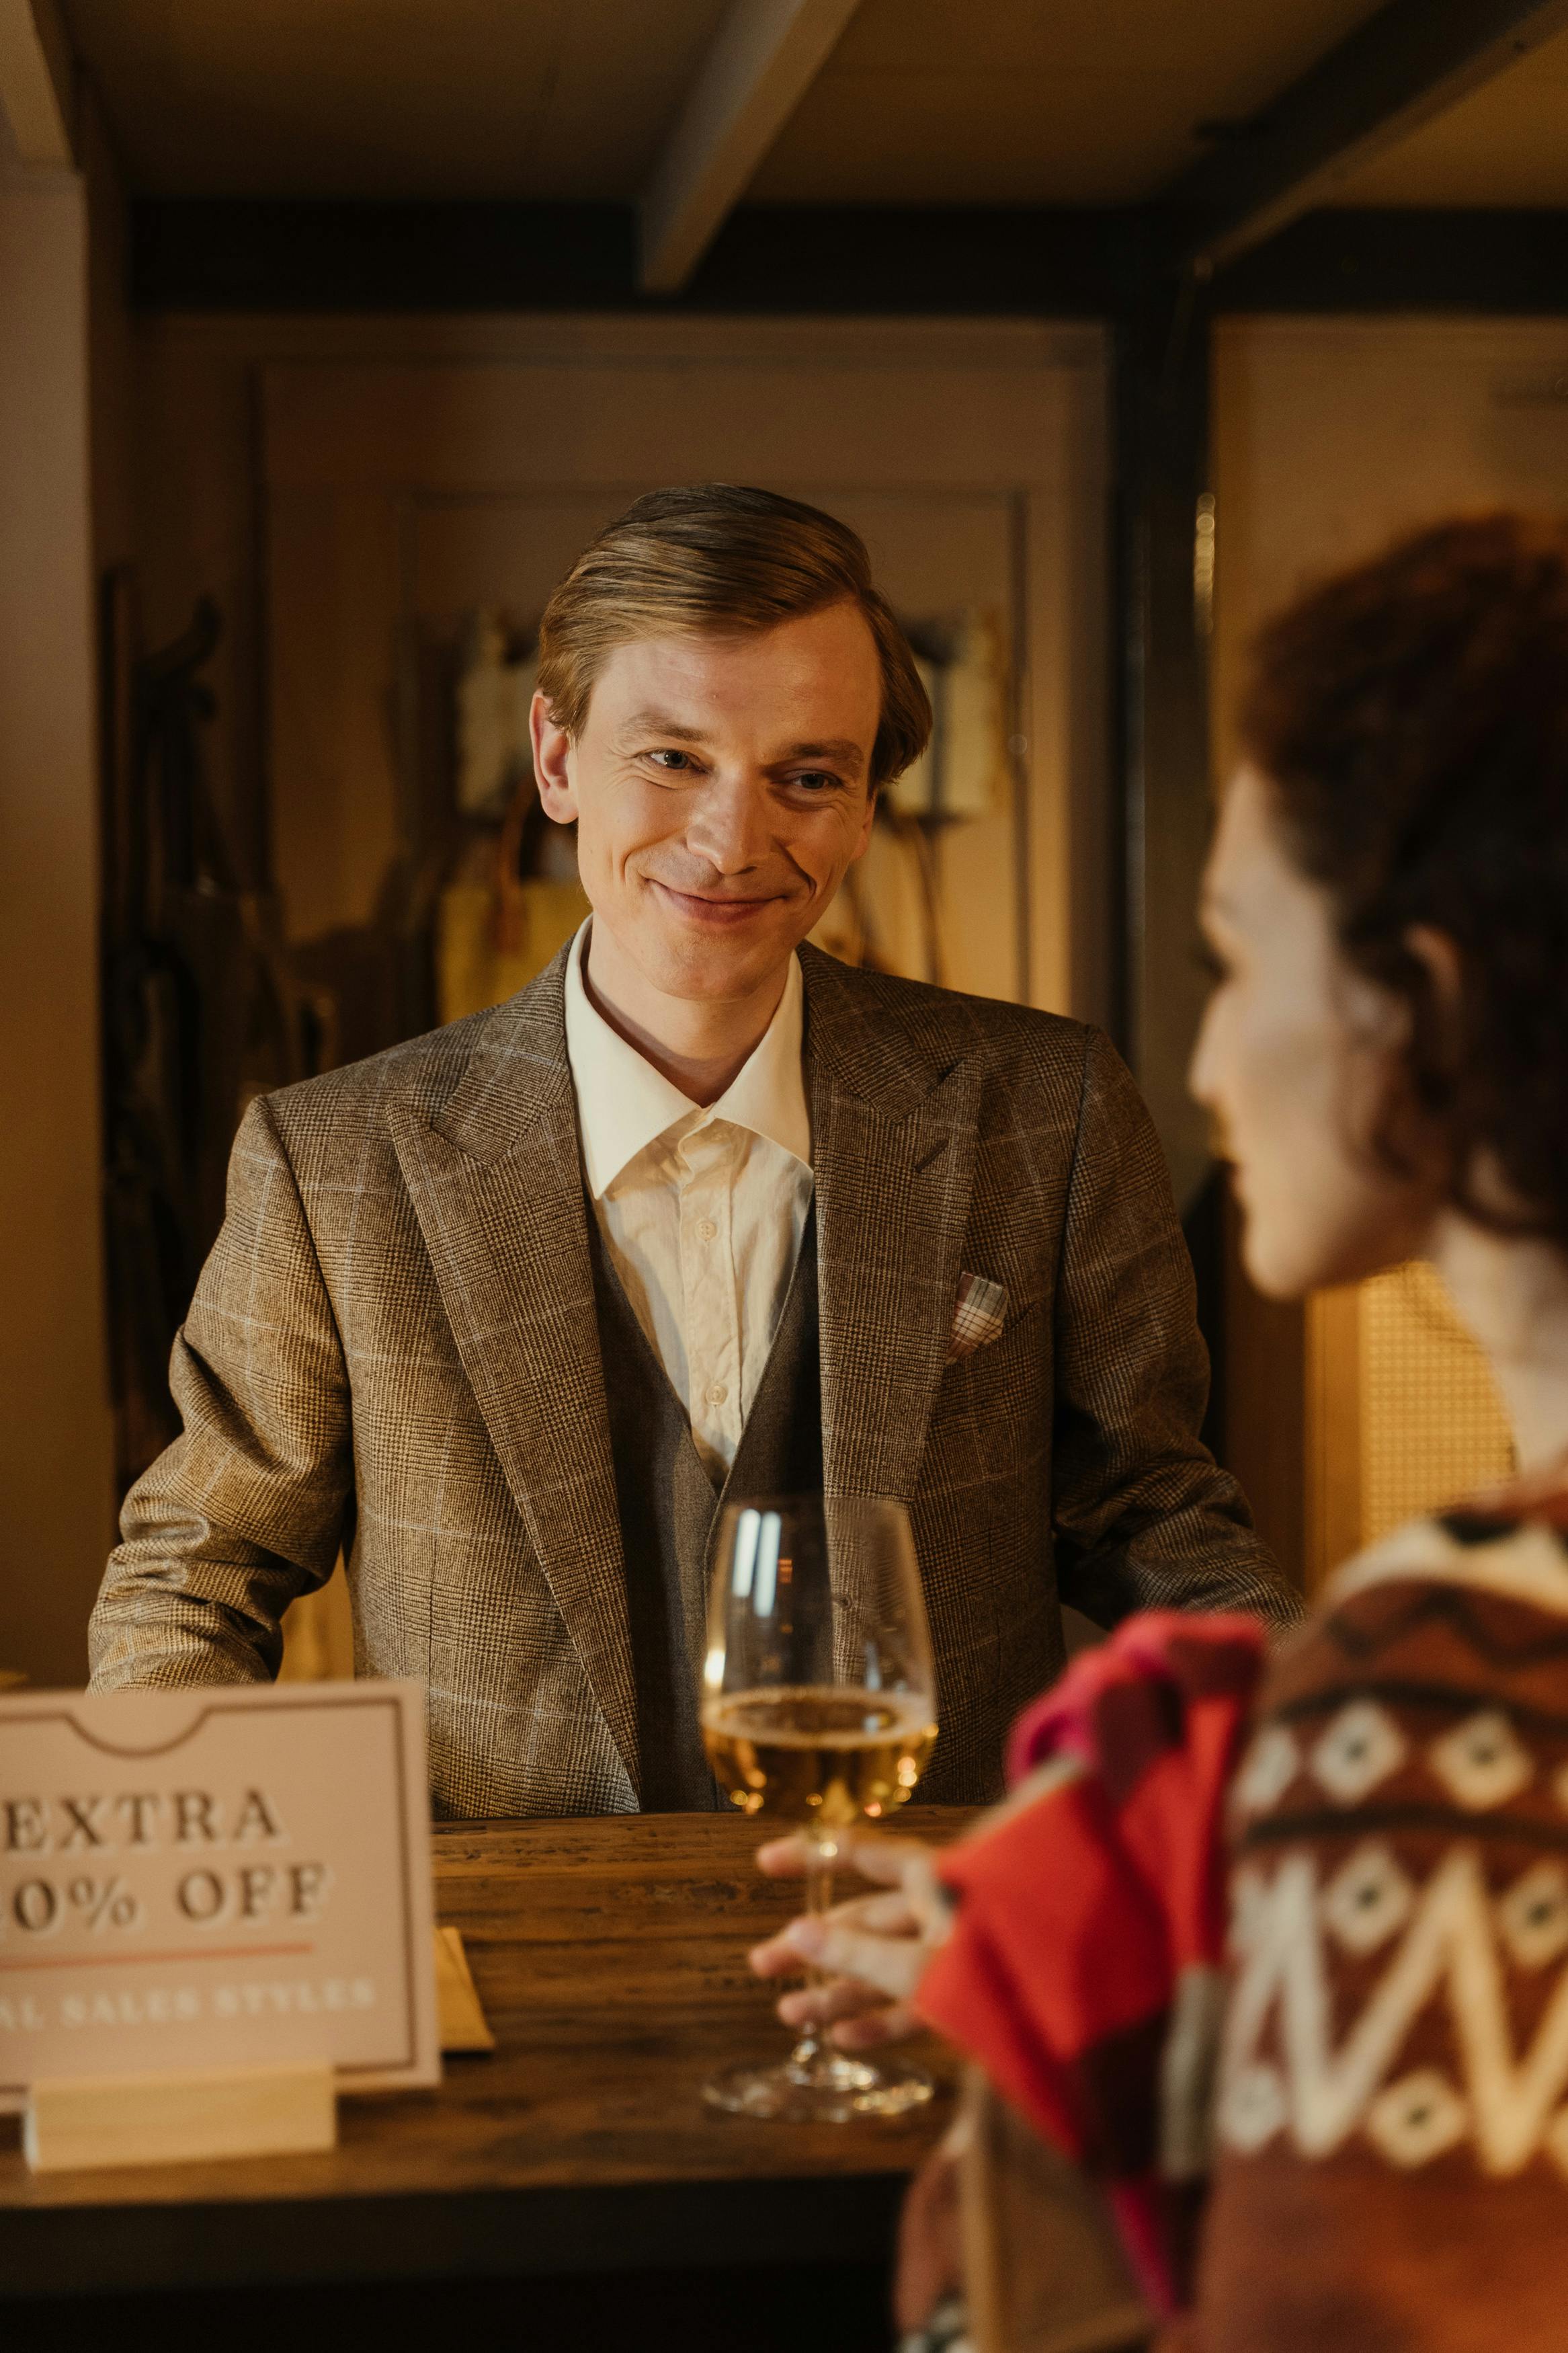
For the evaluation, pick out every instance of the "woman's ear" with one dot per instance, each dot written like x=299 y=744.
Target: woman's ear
x=1438 y=951
x=1439 y=957
x=553 y=762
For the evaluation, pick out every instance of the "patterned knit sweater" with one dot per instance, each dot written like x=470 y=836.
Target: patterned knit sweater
x=1392 y=2169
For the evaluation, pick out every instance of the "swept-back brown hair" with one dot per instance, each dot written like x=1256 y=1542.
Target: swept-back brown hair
x=716 y=558
x=1412 y=717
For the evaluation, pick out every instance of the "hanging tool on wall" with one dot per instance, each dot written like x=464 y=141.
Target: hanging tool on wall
x=200 y=1009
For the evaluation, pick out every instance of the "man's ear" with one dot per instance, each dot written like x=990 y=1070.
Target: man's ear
x=553 y=764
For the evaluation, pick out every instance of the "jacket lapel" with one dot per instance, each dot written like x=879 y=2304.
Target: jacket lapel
x=893 y=1140
x=495 y=1179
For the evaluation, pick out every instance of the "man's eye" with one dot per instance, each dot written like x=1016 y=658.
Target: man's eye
x=672 y=762
x=816 y=780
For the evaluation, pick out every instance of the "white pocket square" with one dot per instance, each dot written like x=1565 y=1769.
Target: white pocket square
x=979 y=1313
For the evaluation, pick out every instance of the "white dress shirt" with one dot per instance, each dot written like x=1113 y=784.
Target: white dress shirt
x=701 y=1210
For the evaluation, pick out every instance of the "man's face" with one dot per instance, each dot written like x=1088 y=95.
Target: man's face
x=721 y=791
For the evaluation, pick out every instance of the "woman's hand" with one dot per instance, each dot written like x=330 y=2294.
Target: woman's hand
x=874 y=1949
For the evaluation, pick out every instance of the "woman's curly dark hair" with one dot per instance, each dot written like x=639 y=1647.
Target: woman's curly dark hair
x=1412 y=716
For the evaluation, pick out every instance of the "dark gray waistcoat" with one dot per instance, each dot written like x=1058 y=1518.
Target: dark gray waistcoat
x=668 y=1506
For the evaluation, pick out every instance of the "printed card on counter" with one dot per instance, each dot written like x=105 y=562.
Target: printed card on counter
x=216 y=1878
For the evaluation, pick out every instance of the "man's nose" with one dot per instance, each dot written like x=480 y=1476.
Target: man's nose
x=730 y=824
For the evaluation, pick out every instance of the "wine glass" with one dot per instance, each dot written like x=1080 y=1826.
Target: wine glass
x=818 y=1705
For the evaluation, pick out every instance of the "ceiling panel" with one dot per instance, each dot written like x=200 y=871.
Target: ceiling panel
x=1079 y=101
x=1094 y=139
x=1505 y=145
x=388 y=98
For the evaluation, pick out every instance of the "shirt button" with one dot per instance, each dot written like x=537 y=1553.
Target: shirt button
x=716 y=1393
x=706 y=1229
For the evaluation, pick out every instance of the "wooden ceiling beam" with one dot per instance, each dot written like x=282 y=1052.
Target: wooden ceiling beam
x=1412 y=59
x=767 y=55
x=36 y=81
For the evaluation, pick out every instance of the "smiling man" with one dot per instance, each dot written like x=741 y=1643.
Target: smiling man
x=504 y=1314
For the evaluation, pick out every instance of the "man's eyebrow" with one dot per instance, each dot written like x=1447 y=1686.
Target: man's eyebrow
x=842 y=748
x=659 y=722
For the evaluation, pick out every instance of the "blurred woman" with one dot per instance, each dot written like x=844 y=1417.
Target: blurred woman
x=1386 y=1052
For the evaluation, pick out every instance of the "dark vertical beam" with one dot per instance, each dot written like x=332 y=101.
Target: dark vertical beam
x=1162 y=621
x=1162 y=473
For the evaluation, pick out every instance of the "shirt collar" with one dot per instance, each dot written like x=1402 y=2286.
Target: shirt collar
x=624 y=1104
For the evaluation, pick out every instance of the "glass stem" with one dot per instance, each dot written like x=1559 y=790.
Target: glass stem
x=821 y=1854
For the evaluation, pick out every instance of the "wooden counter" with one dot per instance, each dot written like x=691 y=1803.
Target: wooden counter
x=610 y=1957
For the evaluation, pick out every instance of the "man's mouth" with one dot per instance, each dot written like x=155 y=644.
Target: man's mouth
x=722 y=913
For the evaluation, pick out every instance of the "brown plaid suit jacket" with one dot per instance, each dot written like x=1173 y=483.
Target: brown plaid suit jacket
x=393 y=1350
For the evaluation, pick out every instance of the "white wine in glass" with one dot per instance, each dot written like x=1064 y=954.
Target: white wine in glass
x=819 y=1709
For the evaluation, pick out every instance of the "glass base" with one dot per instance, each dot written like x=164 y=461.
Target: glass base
x=821 y=2087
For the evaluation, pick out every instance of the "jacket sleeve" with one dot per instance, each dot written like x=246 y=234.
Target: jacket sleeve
x=1144 y=1518
x=247 y=1508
